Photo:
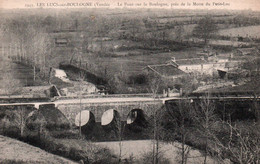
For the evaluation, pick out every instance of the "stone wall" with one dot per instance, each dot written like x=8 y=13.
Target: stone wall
x=71 y=110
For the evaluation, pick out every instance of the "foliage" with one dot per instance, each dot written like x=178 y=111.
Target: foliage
x=240 y=143
x=9 y=85
x=205 y=28
x=36 y=133
x=32 y=46
x=79 y=150
x=202 y=127
x=187 y=83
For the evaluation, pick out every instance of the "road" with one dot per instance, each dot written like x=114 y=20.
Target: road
x=118 y=100
x=92 y=100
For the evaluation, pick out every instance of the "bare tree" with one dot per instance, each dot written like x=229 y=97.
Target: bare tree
x=32 y=45
x=155 y=82
x=119 y=129
x=241 y=144
x=206 y=119
x=20 y=117
x=158 y=133
x=81 y=79
x=180 y=115
x=9 y=84
x=157 y=114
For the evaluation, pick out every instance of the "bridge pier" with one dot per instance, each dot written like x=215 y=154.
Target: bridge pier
x=36 y=106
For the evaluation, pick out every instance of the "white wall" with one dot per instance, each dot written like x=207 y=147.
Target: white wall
x=208 y=68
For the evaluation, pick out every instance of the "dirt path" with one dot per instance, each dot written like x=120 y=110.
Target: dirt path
x=12 y=150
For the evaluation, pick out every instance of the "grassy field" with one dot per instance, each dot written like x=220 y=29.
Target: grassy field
x=249 y=31
x=135 y=64
x=13 y=151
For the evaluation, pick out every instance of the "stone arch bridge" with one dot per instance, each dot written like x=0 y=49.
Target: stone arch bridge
x=128 y=109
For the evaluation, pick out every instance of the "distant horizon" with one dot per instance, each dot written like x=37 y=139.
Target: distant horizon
x=243 y=5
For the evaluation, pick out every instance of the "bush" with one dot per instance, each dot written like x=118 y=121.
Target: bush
x=55 y=119
x=80 y=150
x=36 y=121
x=137 y=79
x=68 y=133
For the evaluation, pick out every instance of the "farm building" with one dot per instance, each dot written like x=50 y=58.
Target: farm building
x=168 y=71
x=199 y=65
x=230 y=69
x=245 y=51
x=39 y=91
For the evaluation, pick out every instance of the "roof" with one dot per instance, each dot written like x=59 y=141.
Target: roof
x=166 y=70
x=39 y=90
x=191 y=61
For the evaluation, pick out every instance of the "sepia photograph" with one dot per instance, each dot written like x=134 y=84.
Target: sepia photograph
x=129 y=82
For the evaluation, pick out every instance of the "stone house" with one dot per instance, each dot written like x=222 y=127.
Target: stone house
x=198 y=65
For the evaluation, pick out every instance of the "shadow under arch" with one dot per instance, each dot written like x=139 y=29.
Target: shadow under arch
x=136 y=120
x=110 y=121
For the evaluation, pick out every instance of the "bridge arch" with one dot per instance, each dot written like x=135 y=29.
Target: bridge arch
x=110 y=117
x=136 y=120
x=86 y=120
x=135 y=116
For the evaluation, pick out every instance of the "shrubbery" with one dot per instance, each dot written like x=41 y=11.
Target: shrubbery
x=37 y=133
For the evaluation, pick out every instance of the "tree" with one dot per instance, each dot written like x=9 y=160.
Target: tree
x=237 y=141
x=20 y=117
x=205 y=118
x=179 y=32
x=9 y=84
x=205 y=28
x=241 y=143
x=156 y=132
x=119 y=128
x=81 y=79
x=135 y=27
x=253 y=68
x=154 y=84
x=187 y=83
x=30 y=43
x=157 y=117
x=179 y=116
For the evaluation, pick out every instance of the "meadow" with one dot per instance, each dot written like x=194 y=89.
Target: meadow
x=248 y=31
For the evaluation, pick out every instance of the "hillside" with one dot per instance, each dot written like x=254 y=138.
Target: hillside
x=14 y=151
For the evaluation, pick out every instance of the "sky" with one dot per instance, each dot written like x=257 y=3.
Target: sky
x=170 y=4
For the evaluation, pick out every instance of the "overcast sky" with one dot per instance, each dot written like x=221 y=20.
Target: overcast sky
x=230 y=4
